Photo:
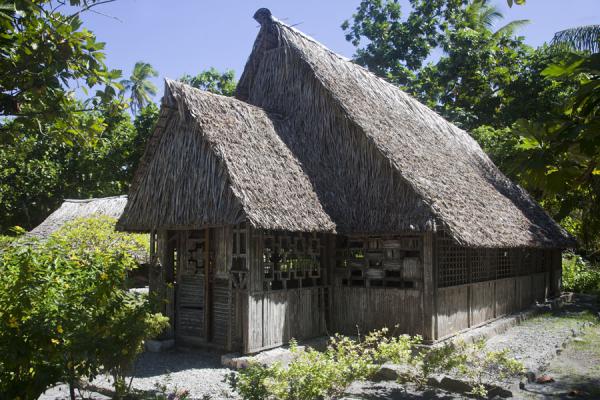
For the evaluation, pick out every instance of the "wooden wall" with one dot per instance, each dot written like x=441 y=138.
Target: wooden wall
x=273 y=317
x=210 y=303
x=278 y=316
x=470 y=305
x=374 y=308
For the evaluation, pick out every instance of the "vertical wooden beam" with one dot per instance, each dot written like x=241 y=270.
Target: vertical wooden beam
x=468 y=252
x=165 y=263
x=208 y=283
x=429 y=291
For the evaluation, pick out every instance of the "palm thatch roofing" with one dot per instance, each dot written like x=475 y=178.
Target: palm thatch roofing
x=216 y=160
x=315 y=142
x=72 y=209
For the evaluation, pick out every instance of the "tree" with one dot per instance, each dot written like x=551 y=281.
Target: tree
x=395 y=48
x=44 y=56
x=518 y=2
x=583 y=38
x=560 y=151
x=38 y=171
x=467 y=84
x=140 y=87
x=213 y=81
x=481 y=15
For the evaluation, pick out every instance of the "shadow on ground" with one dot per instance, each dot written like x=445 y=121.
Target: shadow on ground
x=392 y=391
x=155 y=364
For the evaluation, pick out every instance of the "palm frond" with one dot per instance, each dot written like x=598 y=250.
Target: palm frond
x=510 y=28
x=7 y=10
x=489 y=15
x=582 y=38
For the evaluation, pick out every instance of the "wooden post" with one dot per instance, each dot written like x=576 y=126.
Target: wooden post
x=429 y=291
x=208 y=283
x=164 y=255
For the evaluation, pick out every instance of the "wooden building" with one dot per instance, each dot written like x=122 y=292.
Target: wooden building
x=322 y=199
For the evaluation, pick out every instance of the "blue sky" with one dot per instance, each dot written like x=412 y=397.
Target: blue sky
x=188 y=36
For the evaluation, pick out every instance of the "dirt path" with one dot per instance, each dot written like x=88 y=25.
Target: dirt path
x=575 y=371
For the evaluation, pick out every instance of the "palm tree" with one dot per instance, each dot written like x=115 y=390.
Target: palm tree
x=481 y=14
x=582 y=38
x=139 y=85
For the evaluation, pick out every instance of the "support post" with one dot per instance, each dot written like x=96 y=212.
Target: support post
x=429 y=288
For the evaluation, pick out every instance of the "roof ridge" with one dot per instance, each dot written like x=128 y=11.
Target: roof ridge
x=121 y=196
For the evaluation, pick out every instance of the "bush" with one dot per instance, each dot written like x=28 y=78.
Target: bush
x=481 y=367
x=311 y=374
x=318 y=375
x=65 y=312
x=580 y=276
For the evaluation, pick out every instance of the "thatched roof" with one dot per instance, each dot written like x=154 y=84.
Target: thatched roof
x=217 y=160
x=72 y=209
x=329 y=146
x=441 y=163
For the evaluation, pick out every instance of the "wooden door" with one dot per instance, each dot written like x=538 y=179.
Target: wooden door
x=193 y=280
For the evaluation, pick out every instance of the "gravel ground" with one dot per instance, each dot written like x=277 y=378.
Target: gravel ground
x=535 y=342
x=200 y=372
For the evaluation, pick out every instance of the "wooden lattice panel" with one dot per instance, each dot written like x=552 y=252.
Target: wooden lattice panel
x=453 y=268
x=375 y=261
x=505 y=267
x=291 y=260
x=239 y=265
x=481 y=267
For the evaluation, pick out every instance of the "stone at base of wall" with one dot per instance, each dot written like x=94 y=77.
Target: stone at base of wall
x=156 y=346
x=281 y=355
x=459 y=386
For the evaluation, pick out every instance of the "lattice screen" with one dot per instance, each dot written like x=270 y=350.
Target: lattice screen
x=378 y=261
x=482 y=268
x=505 y=267
x=291 y=260
x=239 y=265
x=460 y=265
x=453 y=267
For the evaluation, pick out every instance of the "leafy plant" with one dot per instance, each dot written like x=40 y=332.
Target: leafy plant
x=578 y=275
x=65 y=312
x=317 y=375
x=213 y=81
x=45 y=55
x=481 y=367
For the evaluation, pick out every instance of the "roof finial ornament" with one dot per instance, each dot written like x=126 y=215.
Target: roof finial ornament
x=263 y=15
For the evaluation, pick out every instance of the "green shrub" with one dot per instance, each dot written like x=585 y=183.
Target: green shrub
x=579 y=276
x=311 y=374
x=318 y=375
x=65 y=312
x=481 y=367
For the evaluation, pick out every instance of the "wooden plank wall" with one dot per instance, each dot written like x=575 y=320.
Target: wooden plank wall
x=222 y=302
x=375 y=308
x=539 y=286
x=276 y=317
x=482 y=300
x=470 y=305
x=505 y=296
x=452 y=309
x=555 y=275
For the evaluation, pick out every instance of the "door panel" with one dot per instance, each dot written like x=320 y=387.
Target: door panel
x=191 y=285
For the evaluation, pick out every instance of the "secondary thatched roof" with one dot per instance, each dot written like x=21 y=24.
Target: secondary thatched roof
x=218 y=160
x=72 y=209
x=327 y=146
